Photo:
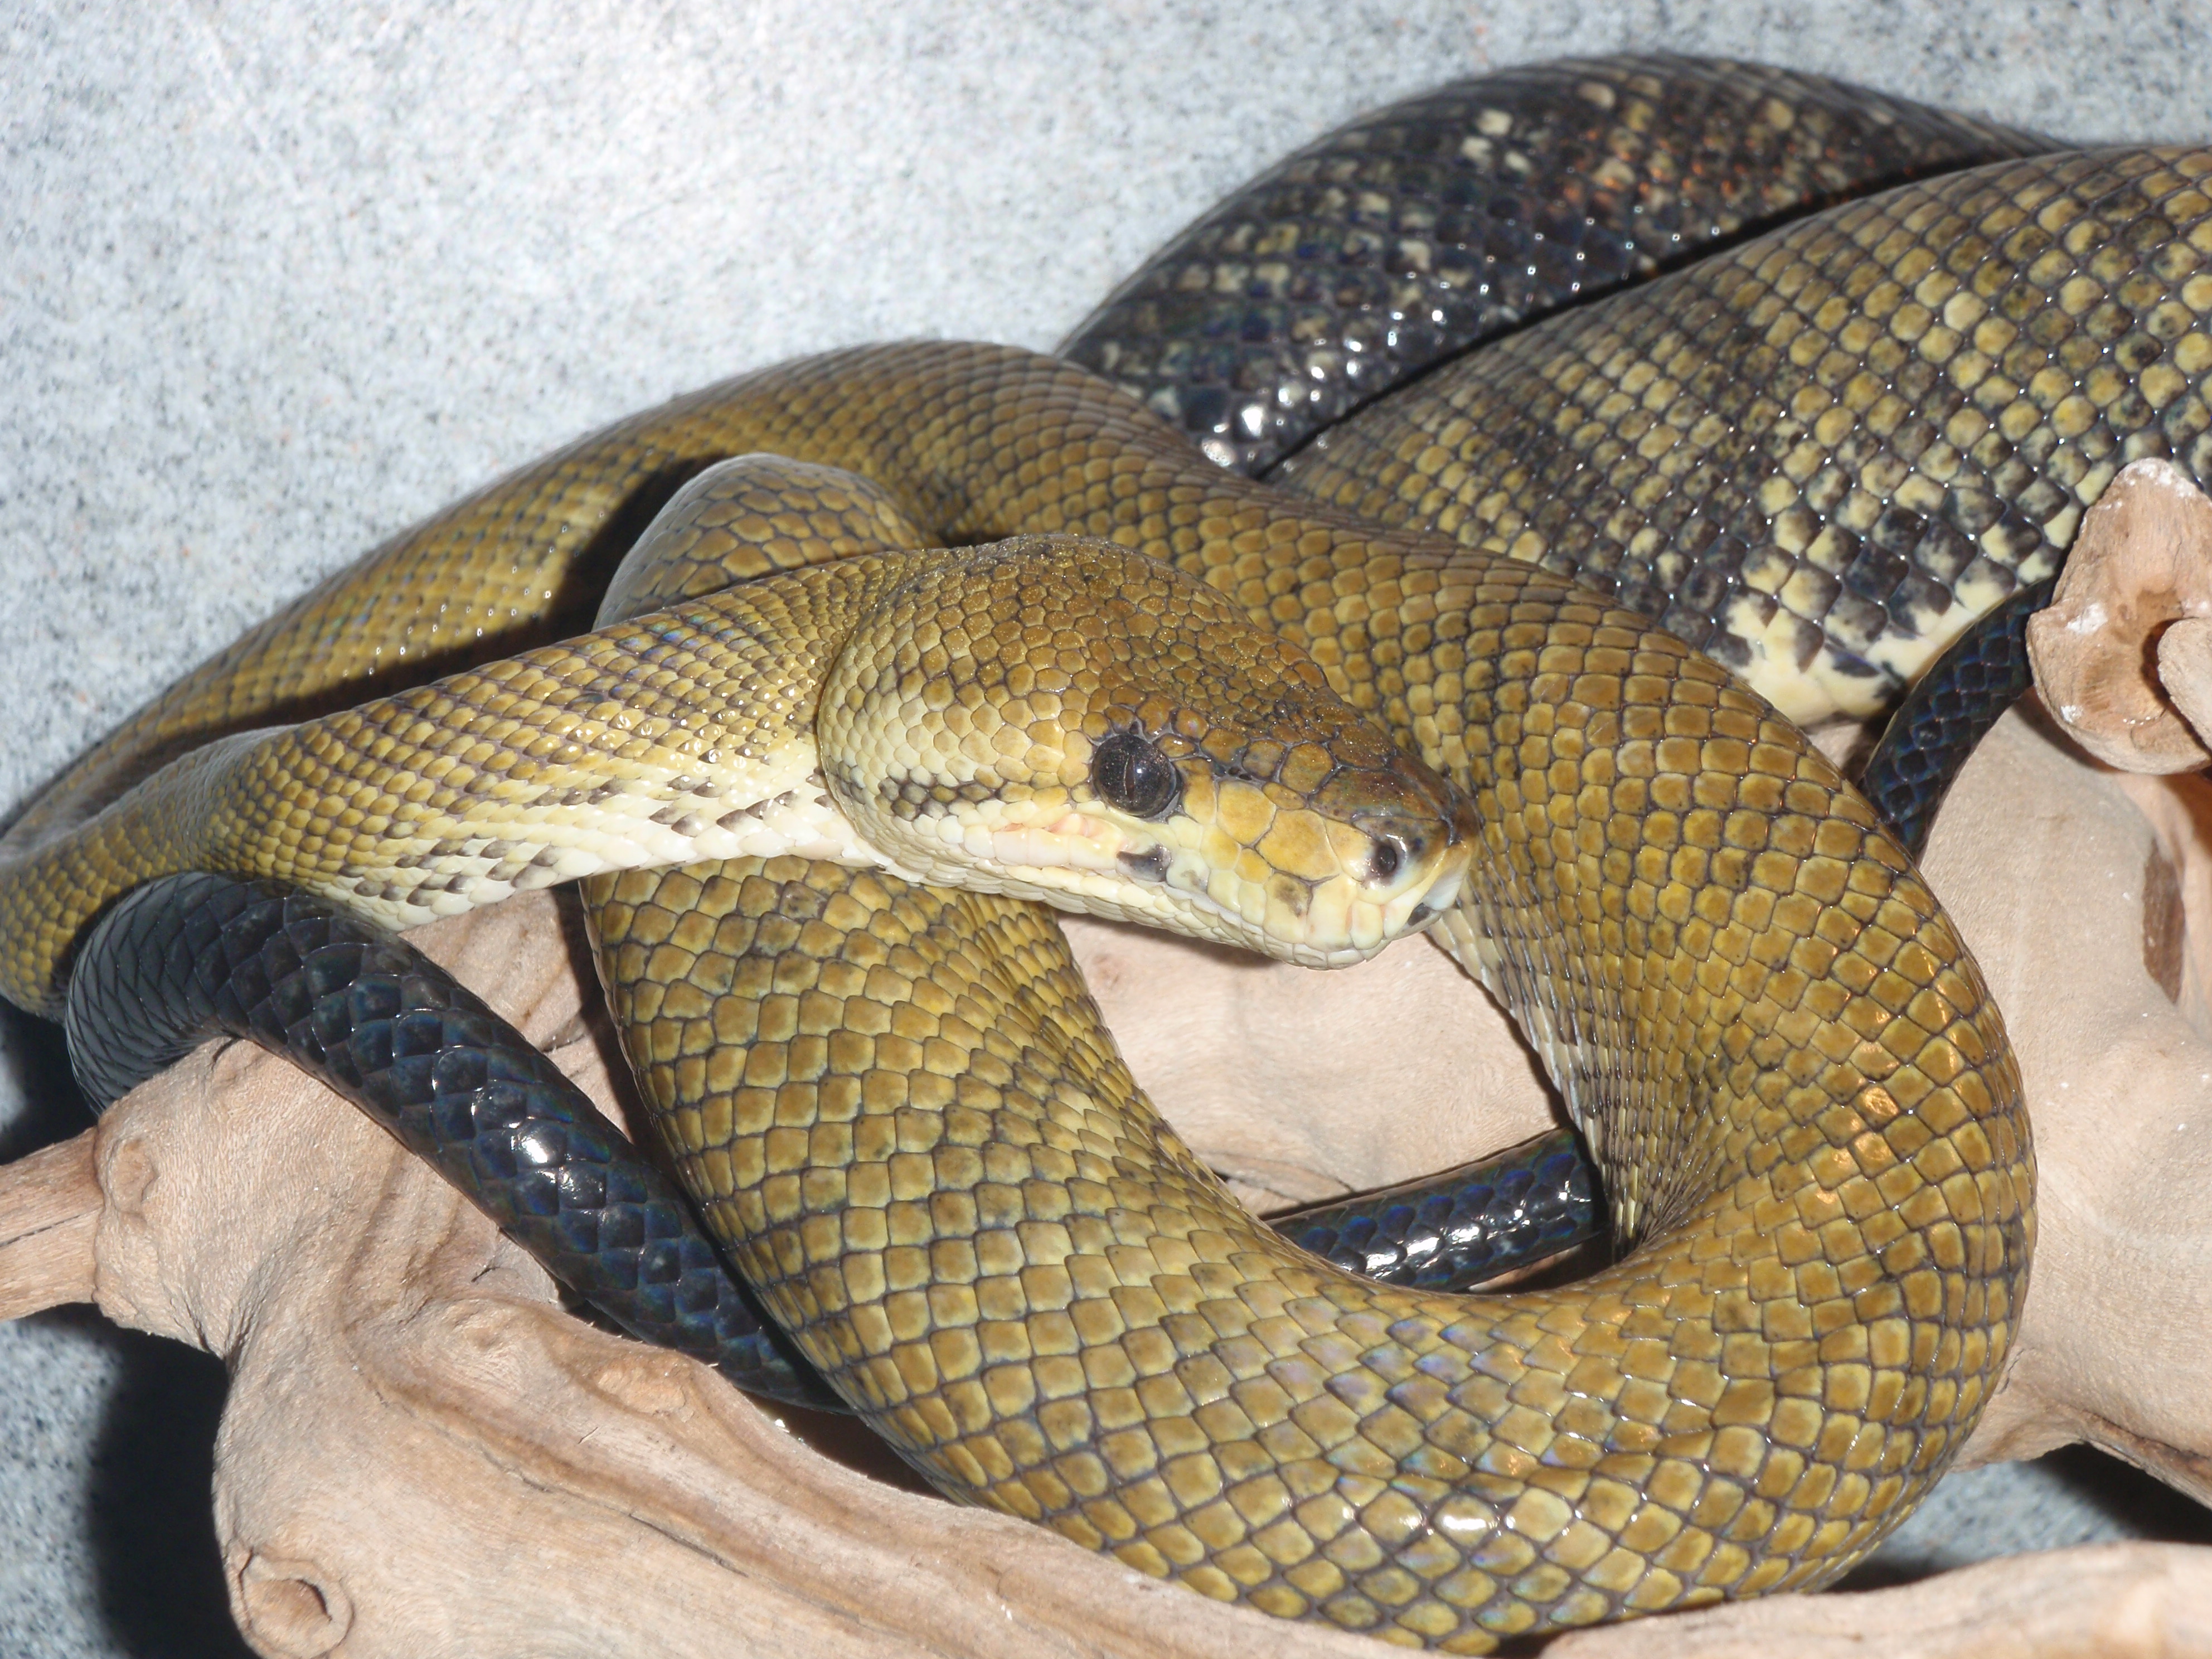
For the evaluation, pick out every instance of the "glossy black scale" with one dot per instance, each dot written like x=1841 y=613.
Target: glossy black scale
x=195 y=956
x=1950 y=711
x=1422 y=230
x=1465 y=1226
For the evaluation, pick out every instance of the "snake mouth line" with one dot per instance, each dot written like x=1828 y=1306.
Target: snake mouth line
x=1082 y=843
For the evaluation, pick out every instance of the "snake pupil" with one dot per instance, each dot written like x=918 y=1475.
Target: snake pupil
x=1132 y=775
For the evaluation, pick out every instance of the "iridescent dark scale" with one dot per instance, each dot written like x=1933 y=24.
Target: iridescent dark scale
x=1464 y=1227
x=191 y=956
x=1424 y=229
x=1947 y=714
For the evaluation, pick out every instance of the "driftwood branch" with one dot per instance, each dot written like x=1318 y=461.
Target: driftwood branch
x=2098 y=1601
x=421 y=1453
x=50 y=1205
x=2121 y=653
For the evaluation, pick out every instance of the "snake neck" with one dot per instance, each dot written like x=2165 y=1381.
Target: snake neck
x=687 y=730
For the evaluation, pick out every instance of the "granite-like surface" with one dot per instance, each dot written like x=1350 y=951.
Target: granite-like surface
x=273 y=285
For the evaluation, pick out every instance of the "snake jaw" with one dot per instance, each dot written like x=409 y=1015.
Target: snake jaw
x=1074 y=840
x=1236 y=863
x=1327 y=906
x=1177 y=875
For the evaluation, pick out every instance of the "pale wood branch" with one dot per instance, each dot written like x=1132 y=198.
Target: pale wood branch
x=2097 y=1601
x=2137 y=584
x=49 y=1208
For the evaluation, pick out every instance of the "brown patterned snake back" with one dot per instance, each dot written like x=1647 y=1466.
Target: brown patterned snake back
x=1820 y=455
x=1451 y=217
x=1797 y=1087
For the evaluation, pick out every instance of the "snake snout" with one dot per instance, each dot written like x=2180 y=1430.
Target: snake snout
x=1414 y=841
x=1417 y=856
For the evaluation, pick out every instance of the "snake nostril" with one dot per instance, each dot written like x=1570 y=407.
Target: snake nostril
x=1392 y=853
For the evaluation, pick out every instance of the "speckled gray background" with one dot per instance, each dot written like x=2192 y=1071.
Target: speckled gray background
x=273 y=285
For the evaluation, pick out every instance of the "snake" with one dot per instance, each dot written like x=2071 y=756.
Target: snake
x=1786 y=1064
x=1559 y=704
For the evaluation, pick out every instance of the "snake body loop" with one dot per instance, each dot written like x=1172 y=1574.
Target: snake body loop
x=746 y=518
x=1820 y=455
x=195 y=956
x=978 y=1230
x=1417 y=232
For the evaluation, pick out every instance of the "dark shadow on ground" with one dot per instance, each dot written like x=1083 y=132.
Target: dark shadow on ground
x=2089 y=1498
x=2132 y=1500
x=157 y=1569
x=34 y=1069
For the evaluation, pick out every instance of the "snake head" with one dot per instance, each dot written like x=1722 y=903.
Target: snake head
x=1074 y=722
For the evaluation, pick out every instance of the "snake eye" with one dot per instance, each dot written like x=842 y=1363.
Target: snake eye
x=1131 y=775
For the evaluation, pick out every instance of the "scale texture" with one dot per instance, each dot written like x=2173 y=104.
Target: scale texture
x=938 y=710
x=1798 y=1093
x=898 y=1112
x=759 y=514
x=1800 y=1097
x=1820 y=456
x=1442 y=221
x=1460 y=1228
x=194 y=956
x=227 y=396
x=1947 y=713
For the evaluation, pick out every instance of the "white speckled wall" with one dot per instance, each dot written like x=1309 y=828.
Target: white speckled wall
x=276 y=281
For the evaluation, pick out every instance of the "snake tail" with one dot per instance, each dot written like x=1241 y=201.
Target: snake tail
x=1947 y=713
x=195 y=956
